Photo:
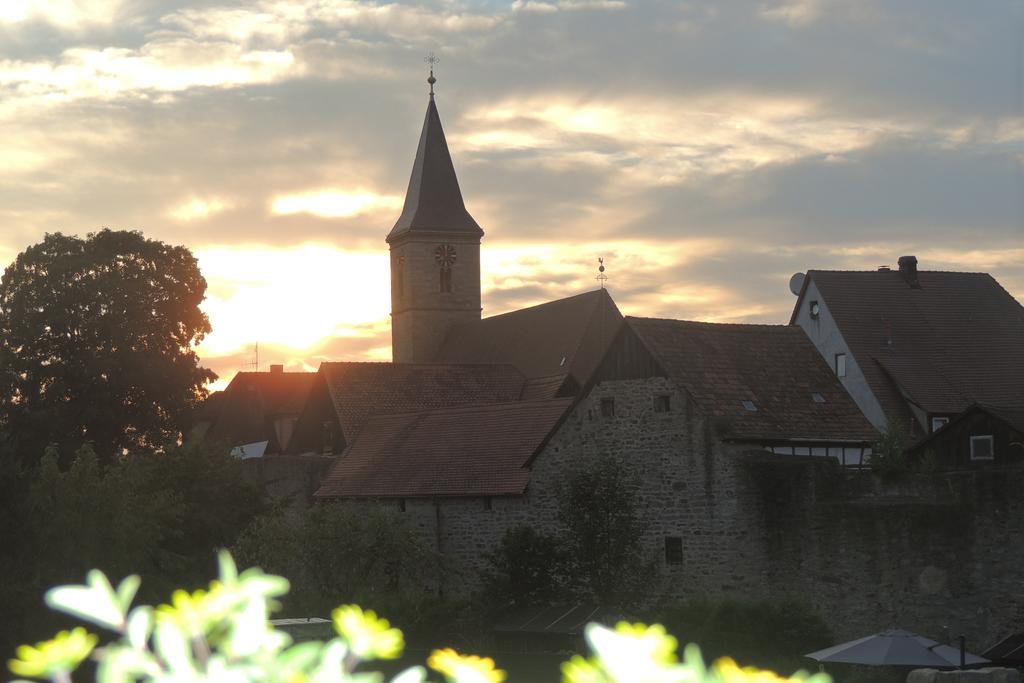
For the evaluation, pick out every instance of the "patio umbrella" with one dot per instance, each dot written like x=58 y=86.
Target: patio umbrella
x=895 y=648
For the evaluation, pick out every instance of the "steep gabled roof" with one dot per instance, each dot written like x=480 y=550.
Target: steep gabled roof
x=433 y=201
x=472 y=451
x=567 y=336
x=775 y=367
x=249 y=404
x=360 y=391
x=954 y=340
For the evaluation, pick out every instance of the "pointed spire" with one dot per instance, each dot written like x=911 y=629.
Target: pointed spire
x=433 y=201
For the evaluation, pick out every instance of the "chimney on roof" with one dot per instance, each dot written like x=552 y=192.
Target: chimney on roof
x=276 y=369
x=908 y=269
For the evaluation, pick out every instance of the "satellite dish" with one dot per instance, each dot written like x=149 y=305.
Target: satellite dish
x=796 y=283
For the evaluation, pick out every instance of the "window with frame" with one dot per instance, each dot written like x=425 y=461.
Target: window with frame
x=939 y=422
x=982 y=448
x=673 y=550
x=662 y=403
x=607 y=407
x=840 y=365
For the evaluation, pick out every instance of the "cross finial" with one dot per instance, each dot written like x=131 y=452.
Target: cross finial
x=601 y=277
x=431 y=60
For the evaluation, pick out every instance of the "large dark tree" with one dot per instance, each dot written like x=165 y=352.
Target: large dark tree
x=96 y=343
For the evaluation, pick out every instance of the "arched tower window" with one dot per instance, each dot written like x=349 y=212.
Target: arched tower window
x=445 y=257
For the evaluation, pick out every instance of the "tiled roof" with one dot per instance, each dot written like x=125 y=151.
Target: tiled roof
x=774 y=367
x=434 y=200
x=360 y=391
x=472 y=451
x=565 y=336
x=955 y=340
x=249 y=404
x=543 y=387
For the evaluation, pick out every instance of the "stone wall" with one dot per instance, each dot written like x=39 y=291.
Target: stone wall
x=931 y=552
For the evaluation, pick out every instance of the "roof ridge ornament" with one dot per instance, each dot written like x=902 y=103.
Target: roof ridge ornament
x=601 y=277
x=431 y=59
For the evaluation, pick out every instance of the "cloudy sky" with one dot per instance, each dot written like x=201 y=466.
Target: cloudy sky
x=708 y=150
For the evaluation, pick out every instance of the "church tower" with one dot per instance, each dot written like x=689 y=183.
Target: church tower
x=435 y=252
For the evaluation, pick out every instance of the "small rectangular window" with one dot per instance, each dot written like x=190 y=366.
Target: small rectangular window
x=607 y=407
x=487 y=501
x=981 y=448
x=401 y=504
x=840 y=365
x=938 y=423
x=673 y=550
x=662 y=404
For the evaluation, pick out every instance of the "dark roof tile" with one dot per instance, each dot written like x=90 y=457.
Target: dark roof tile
x=565 y=336
x=775 y=367
x=465 y=452
x=955 y=340
x=360 y=391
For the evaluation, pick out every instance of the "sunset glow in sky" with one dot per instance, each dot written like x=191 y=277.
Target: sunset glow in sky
x=707 y=150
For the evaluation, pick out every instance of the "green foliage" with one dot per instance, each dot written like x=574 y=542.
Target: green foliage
x=224 y=634
x=888 y=454
x=162 y=514
x=603 y=528
x=527 y=568
x=773 y=635
x=96 y=340
x=340 y=552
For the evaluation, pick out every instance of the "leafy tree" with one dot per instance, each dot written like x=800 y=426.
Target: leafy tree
x=888 y=457
x=598 y=508
x=96 y=343
x=527 y=568
x=161 y=514
x=340 y=552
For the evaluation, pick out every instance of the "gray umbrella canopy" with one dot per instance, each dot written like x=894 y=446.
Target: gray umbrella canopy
x=895 y=648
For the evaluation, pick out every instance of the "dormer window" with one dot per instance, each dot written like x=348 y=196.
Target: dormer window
x=749 y=405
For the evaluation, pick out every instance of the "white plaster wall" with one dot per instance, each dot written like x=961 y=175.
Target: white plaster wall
x=826 y=337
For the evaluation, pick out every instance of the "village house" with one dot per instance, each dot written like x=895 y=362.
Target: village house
x=916 y=346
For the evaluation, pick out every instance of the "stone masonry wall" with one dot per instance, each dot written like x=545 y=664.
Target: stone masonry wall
x=932 y=552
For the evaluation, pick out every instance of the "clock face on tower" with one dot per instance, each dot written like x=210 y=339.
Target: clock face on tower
x=445 y=255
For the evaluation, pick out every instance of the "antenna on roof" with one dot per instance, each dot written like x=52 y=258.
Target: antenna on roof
x=254 y=364
x=601 y=277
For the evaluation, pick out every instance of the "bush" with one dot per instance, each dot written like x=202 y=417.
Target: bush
x=161 y=514
x=342 y=552
x=224 y=634
x=527 y=568
x=774 y=635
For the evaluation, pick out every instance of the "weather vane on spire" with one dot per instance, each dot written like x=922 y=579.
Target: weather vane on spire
x=601 y=277
x=431 y=60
